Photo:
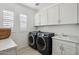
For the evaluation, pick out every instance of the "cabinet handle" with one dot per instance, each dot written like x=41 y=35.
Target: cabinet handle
x=62 y=49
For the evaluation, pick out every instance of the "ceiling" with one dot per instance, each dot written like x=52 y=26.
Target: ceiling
x=39 y=6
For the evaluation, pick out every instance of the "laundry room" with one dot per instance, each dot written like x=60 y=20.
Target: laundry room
x=39 y=28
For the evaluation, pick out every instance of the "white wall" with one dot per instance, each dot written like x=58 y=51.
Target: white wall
x=66 y=29
x=20 y=37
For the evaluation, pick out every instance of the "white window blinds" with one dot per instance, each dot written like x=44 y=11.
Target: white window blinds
x=8 y=19
x=23 y=22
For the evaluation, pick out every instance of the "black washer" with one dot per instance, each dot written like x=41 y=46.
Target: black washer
x=44 y=43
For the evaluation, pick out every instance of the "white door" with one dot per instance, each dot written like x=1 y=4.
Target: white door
x=43 y=17
x=53 y=15
x=37 y=19
x=68 y=13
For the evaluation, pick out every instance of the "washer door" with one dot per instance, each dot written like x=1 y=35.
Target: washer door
x=44 y=45
x=41 y=44
x=31 y=40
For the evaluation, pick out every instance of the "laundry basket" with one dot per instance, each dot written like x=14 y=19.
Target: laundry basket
x=4 y=33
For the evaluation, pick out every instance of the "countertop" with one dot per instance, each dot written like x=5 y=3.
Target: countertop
x=73 y=39
x=7 y=44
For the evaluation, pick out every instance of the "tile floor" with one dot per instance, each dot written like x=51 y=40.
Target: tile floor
x=27 y=51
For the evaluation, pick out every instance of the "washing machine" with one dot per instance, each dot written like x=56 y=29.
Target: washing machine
x=32 y=39
x=44 y=43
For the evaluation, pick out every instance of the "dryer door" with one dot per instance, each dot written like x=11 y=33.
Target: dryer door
x=31 y=40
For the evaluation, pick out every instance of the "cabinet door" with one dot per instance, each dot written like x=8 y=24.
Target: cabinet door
x=56 y=47
x=43 y=15
x=68 y=13
x=68 y=49
x=78 y=12
x=63 y=48
x=53 y=15
x=77 y=49
x=37 y=19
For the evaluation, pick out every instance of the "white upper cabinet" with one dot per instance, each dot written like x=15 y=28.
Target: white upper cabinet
x=37 y=19
x=53 y=15
x=43 y=17
x=68 y=13
x=65 y=13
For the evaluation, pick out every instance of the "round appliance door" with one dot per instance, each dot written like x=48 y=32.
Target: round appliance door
x=41 y=44
x=31 y=40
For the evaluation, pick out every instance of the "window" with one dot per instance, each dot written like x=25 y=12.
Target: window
x=8 y=19
x=23 y=22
